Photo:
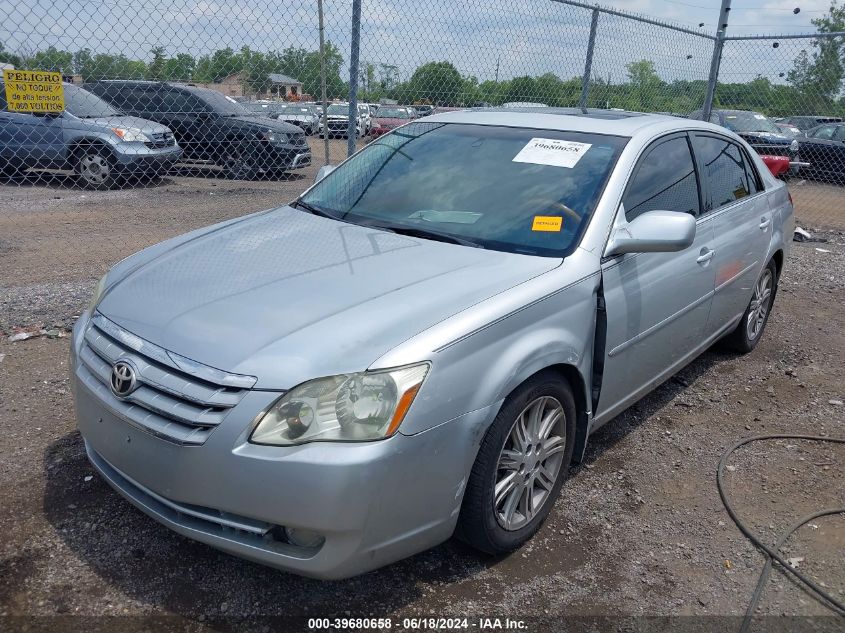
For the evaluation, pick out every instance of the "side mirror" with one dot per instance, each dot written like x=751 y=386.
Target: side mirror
x=324 y=171
x=653 y=232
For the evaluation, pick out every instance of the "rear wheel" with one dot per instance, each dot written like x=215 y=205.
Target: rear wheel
x=94 y=168
x=521 y=466
x=750 y=328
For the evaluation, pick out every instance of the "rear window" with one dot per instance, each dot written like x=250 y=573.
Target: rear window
x=512 y=189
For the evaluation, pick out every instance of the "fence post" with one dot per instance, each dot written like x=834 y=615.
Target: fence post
x=324 y=117
x=588 y=64
x=721 y=27
x=351 y=134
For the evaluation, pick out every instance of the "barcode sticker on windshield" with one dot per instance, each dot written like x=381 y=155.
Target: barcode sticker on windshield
x=551 y=151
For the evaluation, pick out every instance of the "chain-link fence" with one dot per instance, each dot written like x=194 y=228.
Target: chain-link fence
x=175 y=114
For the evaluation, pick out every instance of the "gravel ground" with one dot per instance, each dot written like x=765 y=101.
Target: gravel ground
x=639 y=528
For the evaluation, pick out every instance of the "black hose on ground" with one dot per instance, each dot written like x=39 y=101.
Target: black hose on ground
x=771 y=553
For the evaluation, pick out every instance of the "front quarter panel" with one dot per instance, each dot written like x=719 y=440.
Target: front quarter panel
x=481 y=355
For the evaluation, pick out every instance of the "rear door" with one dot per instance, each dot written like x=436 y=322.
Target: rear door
x=742 y=223
x=656 y=304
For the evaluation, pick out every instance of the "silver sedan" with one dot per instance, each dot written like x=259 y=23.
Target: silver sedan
x=421 y=344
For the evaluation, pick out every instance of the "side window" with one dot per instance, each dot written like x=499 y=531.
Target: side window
x=724 y=168
x=664 y=180
x=177 y=102
x=840 y=133
x=824 y=132
x=755 y=183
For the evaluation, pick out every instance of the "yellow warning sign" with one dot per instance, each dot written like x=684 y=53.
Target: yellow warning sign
x=34 y=91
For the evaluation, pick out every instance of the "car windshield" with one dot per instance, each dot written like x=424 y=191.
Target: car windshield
x=393 y=113
x=338 y=108
x=749 y=122
x=85 y=105
x=510 y=189
x=219 y=103
x=296 y=109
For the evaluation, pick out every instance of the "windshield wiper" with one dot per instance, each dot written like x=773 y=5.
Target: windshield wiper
x=413 y=231
x=314 y=210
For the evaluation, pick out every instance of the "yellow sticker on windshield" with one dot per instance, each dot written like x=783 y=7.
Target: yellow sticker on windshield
x=547 y=223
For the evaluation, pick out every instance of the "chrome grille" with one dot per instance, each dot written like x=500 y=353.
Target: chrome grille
x=161 y=140
x=176 y=398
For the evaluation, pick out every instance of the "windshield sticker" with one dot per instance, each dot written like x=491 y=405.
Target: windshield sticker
x=549 y=223
x=550 y=151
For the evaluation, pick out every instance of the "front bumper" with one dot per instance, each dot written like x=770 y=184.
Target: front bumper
x=132 y=158
x=373 y=502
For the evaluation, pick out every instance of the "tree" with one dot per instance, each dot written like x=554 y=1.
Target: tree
x=179 y=68
x=156 y=67
x=7 y=57
x=435 y=82
x=52 y=59
x=645 y=85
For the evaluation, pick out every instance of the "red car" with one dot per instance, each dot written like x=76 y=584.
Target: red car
x=389 y=117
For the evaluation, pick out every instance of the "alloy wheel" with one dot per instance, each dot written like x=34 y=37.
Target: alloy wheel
x=760 y=303
x=529 y=463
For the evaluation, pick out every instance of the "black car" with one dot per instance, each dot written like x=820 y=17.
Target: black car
x=758 y=130
x=212 y=127
x=805 y=123
x=824 y=148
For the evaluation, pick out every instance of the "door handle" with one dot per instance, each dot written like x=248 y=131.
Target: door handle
x=764 y=223
x=705 y=255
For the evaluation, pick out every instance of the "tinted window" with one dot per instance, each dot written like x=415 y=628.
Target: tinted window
x=495 y=186
x=664 y=180
x=182 y=102
x=84 y=104
x=739 y=121
x=840 y=133
x=213 y=101
x=824 y=132
x=724 y=168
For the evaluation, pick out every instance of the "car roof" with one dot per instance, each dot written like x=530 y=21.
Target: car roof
x=615 y=122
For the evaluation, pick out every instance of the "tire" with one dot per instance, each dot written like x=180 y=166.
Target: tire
x=750 y=328
x=94 y=168
x=497 y=524
x=236 y=162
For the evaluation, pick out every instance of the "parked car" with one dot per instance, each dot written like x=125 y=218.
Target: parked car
x=389 y=118
x=423 y=109
x=337 y=121
x=101 y=145
x=212 y=127
x=524 y=104
x=365 y=118
x=424 y=339
x=302 y=116
x=787 y=129
x=805 y=123
x=823 y=147
x=761 y=133
x=263 y=108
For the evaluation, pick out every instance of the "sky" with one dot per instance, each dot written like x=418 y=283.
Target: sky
x=515 y=37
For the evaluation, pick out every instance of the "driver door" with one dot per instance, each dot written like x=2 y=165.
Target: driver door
x=656 y=304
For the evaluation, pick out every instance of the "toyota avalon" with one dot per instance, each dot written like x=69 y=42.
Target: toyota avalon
x=421 y=344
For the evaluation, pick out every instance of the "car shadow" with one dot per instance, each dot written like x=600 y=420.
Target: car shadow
x=66 y=180
x=207 y=170
x=157 y=567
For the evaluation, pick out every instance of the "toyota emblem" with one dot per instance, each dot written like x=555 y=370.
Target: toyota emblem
x=123 y=381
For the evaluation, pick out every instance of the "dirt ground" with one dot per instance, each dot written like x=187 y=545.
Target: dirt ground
x=639 y=529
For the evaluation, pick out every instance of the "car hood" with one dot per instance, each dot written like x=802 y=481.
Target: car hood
x=391 y=123
x=287 y=296
x=266 y=123
x=766 y=137
x=337 y=117
x=146 y=126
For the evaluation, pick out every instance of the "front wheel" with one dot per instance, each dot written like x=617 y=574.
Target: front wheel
x=237 y=162
x=94 y=168
x=521 y=466
x=749 y=331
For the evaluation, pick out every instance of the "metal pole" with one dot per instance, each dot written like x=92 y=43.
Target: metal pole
x=717 y=59
x=323 y=83
x=351 y=132
x=588 y=65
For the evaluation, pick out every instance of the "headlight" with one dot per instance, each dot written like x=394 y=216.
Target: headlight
x=130 y=134
x=345 y=408
x=794 y=145
x=275 y=137
x=98 y=293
